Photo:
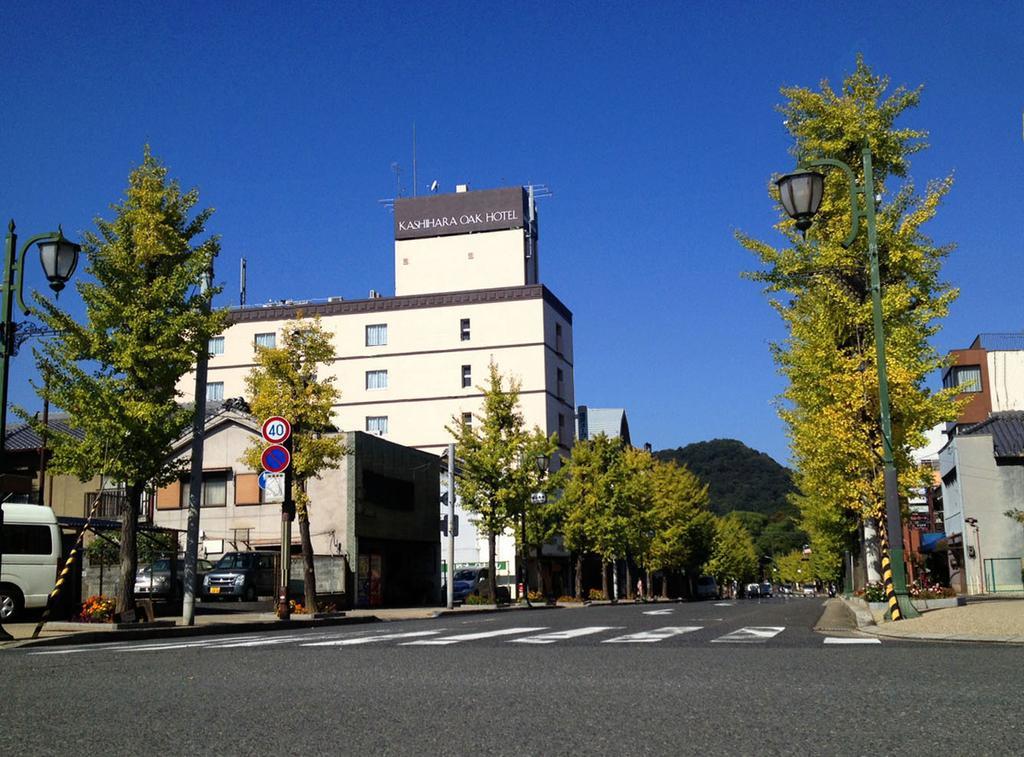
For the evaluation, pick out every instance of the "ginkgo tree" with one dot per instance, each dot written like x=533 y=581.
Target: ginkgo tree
x=821 y=290
x=289 y=381
x=495 y=454
x=146 y=320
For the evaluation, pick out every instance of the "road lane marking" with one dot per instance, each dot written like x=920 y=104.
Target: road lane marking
x=473 y=636
x=551 y=638
x=845 y=640
x=751 y=634
x=254 y=643
x=724 y=604
x=650 y=637
x=370 y=639
x=659 y=612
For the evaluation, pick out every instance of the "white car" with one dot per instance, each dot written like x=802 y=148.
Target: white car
x=809 y=590
x=32 y=543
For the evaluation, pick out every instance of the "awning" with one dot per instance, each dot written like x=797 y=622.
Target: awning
x=934 y=541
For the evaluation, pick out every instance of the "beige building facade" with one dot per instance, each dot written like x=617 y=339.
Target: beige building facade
x=410 y=366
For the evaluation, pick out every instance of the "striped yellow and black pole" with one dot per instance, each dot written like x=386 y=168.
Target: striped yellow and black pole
x=890 y=589
x=62 y=578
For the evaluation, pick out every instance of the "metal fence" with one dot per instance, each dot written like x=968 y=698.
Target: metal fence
x=1004 y=574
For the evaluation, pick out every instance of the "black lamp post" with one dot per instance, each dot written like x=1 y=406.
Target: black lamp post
x=801 y=193
x=59 y=258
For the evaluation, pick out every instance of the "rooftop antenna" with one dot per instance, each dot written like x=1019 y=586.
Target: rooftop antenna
x=241 y=284
x=397 y=169
x=414 y=184
x=434 y=185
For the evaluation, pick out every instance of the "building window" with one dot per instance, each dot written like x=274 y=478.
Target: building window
x=215 y=391
x=467 y=420
x=377 y=424
x=217 y=345
x=266 y=341
x=376 y=379
x=963 y=378
x=561 y=428
x=558 y=337
x=467 y=376
x=214 y=492
x=464 y=329
x=559 y=381
x=376 y=335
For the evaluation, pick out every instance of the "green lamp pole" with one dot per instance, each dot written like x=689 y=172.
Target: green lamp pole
x=801 y=194
x=59 y=258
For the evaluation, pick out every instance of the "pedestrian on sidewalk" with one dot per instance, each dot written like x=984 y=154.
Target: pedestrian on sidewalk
x=639 y=590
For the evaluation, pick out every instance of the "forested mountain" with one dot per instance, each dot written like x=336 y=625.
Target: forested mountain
x=748 y=482
x=738 y=477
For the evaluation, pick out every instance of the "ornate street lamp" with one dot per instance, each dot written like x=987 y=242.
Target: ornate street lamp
x=801 y=193
x=59 y=258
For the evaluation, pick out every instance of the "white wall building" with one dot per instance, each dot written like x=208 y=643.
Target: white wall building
x=467 y=293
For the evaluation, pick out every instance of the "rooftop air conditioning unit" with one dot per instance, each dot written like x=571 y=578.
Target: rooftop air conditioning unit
x=335 y=299
x=374 y=294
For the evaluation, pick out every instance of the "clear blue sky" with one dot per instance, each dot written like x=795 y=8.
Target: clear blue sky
x=654 y=124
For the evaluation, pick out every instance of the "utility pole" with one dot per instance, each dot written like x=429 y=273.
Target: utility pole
x=195 y=485
x=451 y=527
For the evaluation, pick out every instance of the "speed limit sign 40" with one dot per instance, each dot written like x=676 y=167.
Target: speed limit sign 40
x=276 y=429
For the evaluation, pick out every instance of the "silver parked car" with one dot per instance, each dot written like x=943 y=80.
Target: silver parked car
x=156 y=582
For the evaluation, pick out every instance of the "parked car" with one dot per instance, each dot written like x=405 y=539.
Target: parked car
x=31 y=546
x=752 y=591
x=240 y=575
x=470 y=581
x=707 y=588
x=809 y=590
x=156 y=582
x=766 y=589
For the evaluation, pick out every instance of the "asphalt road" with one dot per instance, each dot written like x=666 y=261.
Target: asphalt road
x=745 y=677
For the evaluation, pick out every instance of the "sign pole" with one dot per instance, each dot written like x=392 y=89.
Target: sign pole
x=287 y=516
x=451 y=527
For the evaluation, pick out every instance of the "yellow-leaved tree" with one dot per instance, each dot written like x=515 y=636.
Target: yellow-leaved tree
x=822 y=292
x=286 y=381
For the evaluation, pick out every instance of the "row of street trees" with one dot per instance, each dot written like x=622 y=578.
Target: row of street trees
x=608 y=499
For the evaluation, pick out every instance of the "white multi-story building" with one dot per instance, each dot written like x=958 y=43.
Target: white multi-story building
x=467 y=293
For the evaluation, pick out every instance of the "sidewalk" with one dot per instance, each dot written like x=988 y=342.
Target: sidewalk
x=991 y=620
x=60 y=632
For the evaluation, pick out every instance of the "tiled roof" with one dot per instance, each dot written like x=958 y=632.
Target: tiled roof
x=1007 y=430
x=23 y=436
x=999 y=342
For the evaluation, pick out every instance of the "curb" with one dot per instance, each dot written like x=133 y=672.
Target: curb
x=175 y=632
x=486 y=610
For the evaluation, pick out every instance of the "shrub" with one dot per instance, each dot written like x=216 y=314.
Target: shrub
x=924 y=590
x=476 y=599
x=98 y=609
x=596 y=595
x=873 y=592
x=535 y=596
x=565 y=598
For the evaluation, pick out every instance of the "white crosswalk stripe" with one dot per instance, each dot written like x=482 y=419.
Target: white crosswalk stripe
x=473 y=636
x=724 y=604
x=650 y=637
x=850 y=640
x=667 y=611
x=370 y=639
x=751 y=634
x=551 y=638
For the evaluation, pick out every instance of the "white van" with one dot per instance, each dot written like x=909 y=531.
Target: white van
x=30 y=553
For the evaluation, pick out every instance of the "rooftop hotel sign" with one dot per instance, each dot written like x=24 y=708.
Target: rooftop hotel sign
x=459 y=213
